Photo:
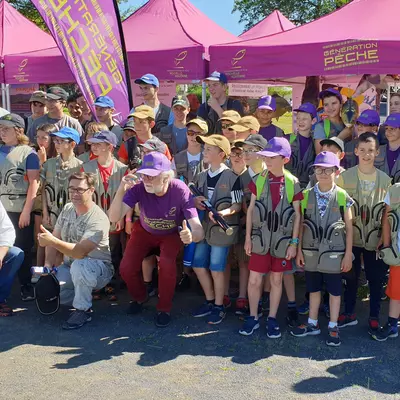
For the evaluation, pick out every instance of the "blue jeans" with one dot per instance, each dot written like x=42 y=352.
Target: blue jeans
x=11 y=264
x=212 y=257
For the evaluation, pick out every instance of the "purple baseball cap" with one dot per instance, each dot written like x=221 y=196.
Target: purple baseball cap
x=267 y=103
x=104 y=137
x=326 y=159
x=330 y=92
x=154 y=163
x=369 y=117
x=308 y=108
x=277 y=146
x=393 y=120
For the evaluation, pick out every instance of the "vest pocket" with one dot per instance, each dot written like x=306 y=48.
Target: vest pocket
x=217 y=236
x=166 y=138
x=286 y=219
x=372 y=239
x=330 y=261
x=260 y=239
x=280 y=247
x=259 y=214
x=389 y=256
x=310 y=258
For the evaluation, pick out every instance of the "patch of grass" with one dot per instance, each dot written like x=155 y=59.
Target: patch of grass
x=285 y=122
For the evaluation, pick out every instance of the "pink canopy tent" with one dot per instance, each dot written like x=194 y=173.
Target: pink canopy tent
x=360 y=38
x=20 y=40
x=170 y=38
x=275 y=22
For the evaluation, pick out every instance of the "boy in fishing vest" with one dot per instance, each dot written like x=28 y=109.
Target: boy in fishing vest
x=388 y=159
x=250 y=147
x=227 y=120
x=221 y=187
x=332 y=125
x=272 y=229
x=326 y=240
x=367 y=186
x=56 y=172
x=368 y=121
x=109 y=173
x=390 y=252
x=266 y=108
x=303 y=153
x=187 y=165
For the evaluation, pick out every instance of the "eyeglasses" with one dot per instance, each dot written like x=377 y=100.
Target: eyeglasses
x=326 y=171
x=194 y=133
x=237 y=155
x=37 y=104
x=226 y=126
x=61 y=141
x=250 y=151
x=148 y=178
x=77 y=190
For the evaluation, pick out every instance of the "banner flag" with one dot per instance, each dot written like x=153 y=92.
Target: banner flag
x=89 y=35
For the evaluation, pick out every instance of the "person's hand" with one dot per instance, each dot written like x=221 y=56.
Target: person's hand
x=24 y=219
x=185 y=233
x=211 y=216
x=300 y=259
x=119 y=226
x=128 y=181
x=214 y=104
x=45 y=238
x=248 y=246
x=198 y=202
x=42 y=155
x=128 y=227
x=347 y=262
x=291 y=252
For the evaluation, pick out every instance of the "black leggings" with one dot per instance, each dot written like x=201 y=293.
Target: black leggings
x=24 y=240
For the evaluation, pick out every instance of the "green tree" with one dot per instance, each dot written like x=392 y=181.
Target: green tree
x=299 y=12
x=26 y=8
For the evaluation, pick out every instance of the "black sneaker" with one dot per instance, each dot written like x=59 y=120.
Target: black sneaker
x=77 y=319
x=305 y=330
x=163 y=319
x=333 y=337
x=151 y=289
x=292 y=317
x=134 y=308
x=184 y=283
x=27 y=292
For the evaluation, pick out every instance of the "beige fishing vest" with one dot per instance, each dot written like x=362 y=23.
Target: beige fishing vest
x=390 y=254
x=273 y=229
x=118 y=172
x=13 y=182
x=55 y=176
x=324 y=241
x=367 y=213
x=221 y=199
x=381 y=163
x=183 y=172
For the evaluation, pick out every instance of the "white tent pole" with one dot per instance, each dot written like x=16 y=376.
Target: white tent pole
x=3 y=96
x=203 y=92
x=8 y=100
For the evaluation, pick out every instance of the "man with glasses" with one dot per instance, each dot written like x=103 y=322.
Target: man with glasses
x=38 y=108
x=218 y=102
x=166 y=209
x=56 y=98
x=81 y=236
x=56 y=172
x=149 y=87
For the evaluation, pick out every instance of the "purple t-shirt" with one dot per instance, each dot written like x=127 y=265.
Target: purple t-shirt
x=304 y=144
x=162 y=215
x=391 y=157
x=268 y=132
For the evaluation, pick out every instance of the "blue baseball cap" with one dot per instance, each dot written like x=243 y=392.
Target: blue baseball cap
x=148 y=79
x=68 y=133
x=393 y=120
x=326 y=159
x=104 y=137
x=308 y=108
x=369 y=117
x=267 y=103
x=104 y=101
x=217 y=77
x=330 y=92
x=277 y=146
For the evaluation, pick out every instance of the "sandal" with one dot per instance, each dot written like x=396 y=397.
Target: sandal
x=5 y=310
x=110 y=292
x=96 y=294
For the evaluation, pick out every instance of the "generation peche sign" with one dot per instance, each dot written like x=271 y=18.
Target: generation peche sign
x=87 y=33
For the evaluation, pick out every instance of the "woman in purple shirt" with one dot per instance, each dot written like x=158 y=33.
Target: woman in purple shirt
x=166 y=209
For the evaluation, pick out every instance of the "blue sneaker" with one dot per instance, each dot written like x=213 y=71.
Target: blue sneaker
x=304 y=309
x=306 y=330
x=386 y=332
x=249 y=326
x=217 y=315
x=204 y=310
x=273 y=331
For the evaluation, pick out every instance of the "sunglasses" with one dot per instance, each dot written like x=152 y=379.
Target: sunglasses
x=226 y=126
x=194 y=133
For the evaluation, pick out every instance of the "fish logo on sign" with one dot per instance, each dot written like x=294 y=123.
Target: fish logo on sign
x=180 y=57
x=238 y=57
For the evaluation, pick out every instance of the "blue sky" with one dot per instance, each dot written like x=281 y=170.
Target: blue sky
x=218 y=10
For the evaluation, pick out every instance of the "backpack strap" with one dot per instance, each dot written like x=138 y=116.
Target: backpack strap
x=341 y=199
x=292 y=138
x=327 y=127
x=289 y=186
x=304 y=202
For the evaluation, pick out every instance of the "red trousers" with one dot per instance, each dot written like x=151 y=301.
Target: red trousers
x=140 y=244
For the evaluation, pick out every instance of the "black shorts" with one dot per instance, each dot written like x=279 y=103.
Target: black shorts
x=316 y=280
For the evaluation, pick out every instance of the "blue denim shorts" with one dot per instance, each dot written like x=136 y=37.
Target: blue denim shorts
x=213 y=257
